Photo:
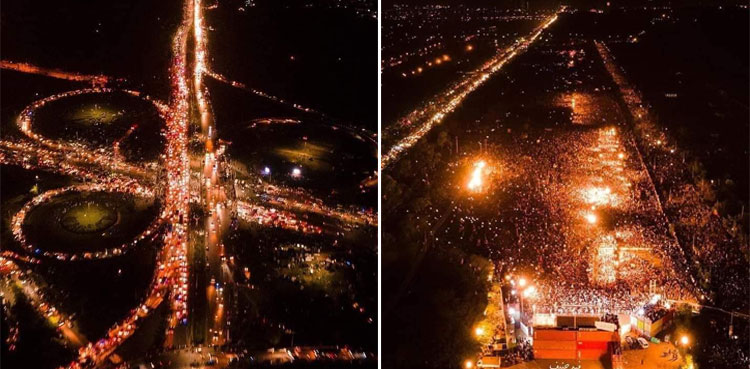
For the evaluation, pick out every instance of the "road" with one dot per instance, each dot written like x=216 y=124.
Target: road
x=217 y=205
x=193 y=274
x=412 y=127
x=27 y=284
x=570 y=205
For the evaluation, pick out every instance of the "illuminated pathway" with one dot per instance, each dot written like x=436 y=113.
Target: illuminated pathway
x=260 y=93
x=130 y=188
x=411 y=128
x=26 y=284
x=208 y=324
x=54 y=73
x=177 y=201
x=188 y=118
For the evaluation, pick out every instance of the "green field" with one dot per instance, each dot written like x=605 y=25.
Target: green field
x=95 y=114
x=89 y=217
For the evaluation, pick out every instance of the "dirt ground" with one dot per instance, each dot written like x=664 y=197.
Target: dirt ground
x=650 y=358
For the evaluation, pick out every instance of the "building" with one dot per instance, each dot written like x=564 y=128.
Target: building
x=651 y=320
x=581 y=344
x=489 y=362
x=574 y=337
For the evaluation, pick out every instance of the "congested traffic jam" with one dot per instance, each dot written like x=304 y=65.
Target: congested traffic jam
x=201 y=195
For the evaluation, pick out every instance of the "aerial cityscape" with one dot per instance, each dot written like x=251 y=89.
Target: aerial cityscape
x=565 y=184
x=189 y=184
x=395 y=184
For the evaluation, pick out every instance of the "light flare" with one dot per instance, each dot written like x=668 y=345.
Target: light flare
x=475 y=183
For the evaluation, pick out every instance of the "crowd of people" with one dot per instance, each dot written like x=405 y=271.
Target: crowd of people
x=536 y=221
x=572 y=207
x=720 y=259
x=522 y=352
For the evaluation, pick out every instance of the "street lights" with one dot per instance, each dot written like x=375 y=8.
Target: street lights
x=479 y=331
x=591 y=218
x=528 y=292
x=684 y=340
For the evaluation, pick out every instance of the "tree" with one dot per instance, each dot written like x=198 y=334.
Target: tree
x=443 y=139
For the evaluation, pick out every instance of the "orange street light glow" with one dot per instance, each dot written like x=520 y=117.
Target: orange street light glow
x=529 y=292
x=591 y=218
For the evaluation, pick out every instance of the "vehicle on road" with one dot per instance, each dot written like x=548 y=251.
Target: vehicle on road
x=642 y=342
x=630 y=342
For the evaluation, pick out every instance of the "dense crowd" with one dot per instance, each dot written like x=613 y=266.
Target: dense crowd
x=720 y=258
x=533 y=219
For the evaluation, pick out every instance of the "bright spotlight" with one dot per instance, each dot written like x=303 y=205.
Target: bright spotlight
x=591 y=218
x=475 y=183
x=684 y=340
x=522 y=282
x=529 y=292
